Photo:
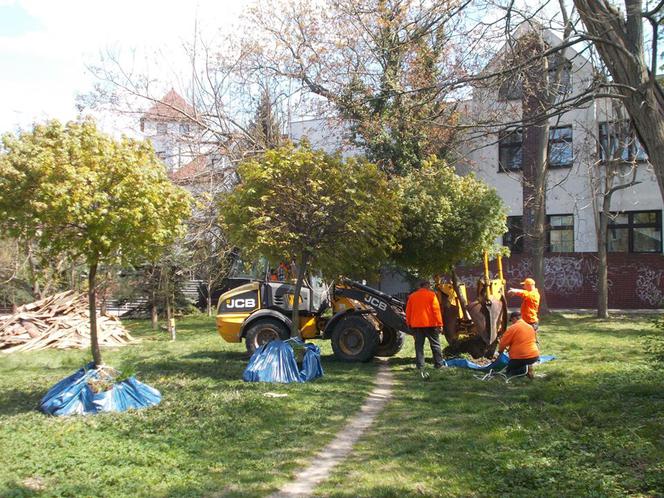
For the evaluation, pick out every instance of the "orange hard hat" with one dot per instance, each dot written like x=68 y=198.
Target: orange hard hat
x=529 y=281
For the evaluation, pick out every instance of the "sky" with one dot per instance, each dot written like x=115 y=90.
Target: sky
x=45 y=46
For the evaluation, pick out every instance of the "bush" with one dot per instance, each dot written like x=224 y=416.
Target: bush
x=655 y=344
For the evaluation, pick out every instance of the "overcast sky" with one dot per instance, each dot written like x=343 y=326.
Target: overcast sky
x=46 y=44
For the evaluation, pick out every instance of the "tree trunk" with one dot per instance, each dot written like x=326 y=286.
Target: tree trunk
x=73 y=281
x=209 y=297
x=154 y=312
x=463 y=303
x=620 y=45
x=535 y=101
x=92 y=308
x=172 y=320
x=295 y=316
x=32 y=265
x=603 y=267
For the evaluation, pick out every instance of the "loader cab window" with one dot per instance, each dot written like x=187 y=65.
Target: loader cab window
x=254 y=269
x=281 y=272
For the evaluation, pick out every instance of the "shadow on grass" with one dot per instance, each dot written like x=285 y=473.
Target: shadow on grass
x=15 y=401
x=16 y=490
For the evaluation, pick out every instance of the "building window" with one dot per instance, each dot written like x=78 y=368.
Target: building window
x=509 y=150
x=184 y=128
x=564 y=87
x=513 y=238
x=560 y=147
x=635 y=231
x=560 y=233
x=617 y=141
x=162 y=128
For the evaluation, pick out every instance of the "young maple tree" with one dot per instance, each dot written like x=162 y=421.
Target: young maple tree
x=318 y=210
x=82 y=193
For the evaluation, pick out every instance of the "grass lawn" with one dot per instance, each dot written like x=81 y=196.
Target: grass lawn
x=212 y=434
x=593 y=426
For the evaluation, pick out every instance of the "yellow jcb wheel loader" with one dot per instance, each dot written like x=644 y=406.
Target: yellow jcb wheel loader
x=360 y=321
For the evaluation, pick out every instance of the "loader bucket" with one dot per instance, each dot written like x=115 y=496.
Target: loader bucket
x=479 y=336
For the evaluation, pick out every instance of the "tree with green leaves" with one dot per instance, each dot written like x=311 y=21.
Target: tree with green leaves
x=446 y=219
x=318 y=210
x=85 y=194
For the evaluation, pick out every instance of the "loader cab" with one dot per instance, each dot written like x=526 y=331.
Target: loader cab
x=267 y=296
x=277 y=284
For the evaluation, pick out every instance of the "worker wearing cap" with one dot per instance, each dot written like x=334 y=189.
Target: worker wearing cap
x=530 y=300
x=521 y=341
x=425 y=319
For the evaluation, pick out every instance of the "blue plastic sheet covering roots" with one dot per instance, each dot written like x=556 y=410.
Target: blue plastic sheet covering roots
x=275 y=362
x=498 y=364
x=74 y=396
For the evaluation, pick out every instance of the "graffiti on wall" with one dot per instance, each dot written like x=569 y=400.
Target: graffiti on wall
x=634 y=281
x=649 y=284
x=563 y=275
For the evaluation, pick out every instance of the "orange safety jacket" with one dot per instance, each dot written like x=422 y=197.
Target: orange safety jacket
x=521 y=339
x=423 y=309
x=530 y=305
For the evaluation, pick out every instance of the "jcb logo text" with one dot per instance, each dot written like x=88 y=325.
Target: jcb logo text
x=241 y=303
x=375 y=302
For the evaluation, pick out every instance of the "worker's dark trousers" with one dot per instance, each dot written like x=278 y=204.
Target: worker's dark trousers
x=432 y=334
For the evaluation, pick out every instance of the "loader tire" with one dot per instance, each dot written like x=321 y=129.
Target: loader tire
x=391 y=343
x=354 y=339
x=263 y=331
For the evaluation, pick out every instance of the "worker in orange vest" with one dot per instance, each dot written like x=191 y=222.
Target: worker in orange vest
x=521 y=340
x=423 y=316
x=530 y=301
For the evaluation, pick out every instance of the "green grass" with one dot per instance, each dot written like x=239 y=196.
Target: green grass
x=211 y=435
x=593 y=426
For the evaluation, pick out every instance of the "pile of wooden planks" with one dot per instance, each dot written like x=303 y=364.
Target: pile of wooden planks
x=60 y=321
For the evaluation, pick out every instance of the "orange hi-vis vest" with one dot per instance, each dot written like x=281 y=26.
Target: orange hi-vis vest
x=521 y=339
x=423 y=309
x=530 y=305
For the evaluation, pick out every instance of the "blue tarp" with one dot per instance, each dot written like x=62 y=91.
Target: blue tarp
x=275 y=362
x=74 y=396
x=497 y=364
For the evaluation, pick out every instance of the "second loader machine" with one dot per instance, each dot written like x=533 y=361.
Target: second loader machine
x=361 y=322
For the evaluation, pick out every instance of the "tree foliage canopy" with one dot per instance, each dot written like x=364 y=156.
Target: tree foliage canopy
x=80 y=192
x=377 y=63
x=446 y=219
x=342 y=214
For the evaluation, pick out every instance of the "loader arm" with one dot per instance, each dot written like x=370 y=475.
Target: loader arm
x=388 y=310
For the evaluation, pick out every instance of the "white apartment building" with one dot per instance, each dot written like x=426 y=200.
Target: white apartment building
x=579 y=140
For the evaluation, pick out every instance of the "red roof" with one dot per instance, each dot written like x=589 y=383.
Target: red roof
x=190 y=170
x=172 y=107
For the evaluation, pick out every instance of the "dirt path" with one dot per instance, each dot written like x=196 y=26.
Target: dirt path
x=335 y=452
